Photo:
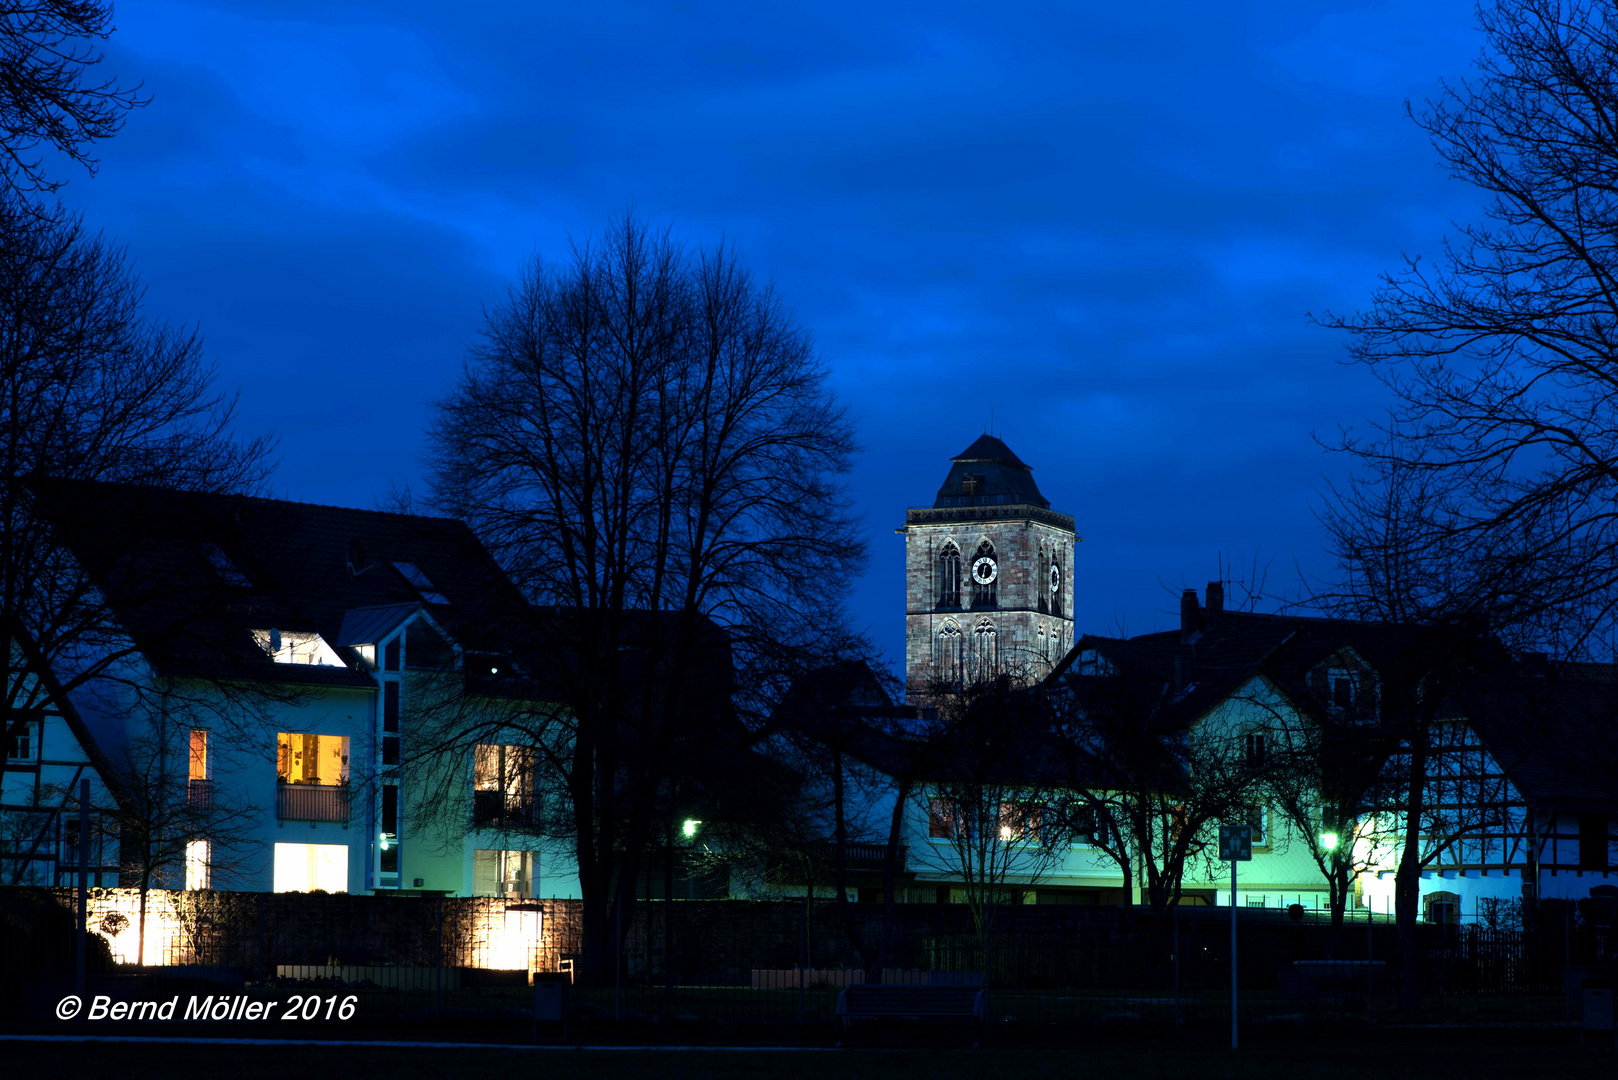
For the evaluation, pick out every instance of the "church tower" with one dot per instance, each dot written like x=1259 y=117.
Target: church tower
x=988 y=576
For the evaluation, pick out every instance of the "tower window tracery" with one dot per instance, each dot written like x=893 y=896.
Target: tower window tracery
x=947 y=588
x=949 y=654
x=985 y=652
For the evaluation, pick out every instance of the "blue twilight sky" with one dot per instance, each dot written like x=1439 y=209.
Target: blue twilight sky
x=1106 y=223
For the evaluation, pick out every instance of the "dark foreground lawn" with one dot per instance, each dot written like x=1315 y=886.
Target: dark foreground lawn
x=1280 y=1061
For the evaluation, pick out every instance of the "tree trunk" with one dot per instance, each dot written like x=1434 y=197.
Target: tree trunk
x=1338 y=881
x=890 y=874
x=1407 y=883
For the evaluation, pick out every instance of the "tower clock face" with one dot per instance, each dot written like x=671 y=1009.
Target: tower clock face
x=1056 y=579
x=984 y=570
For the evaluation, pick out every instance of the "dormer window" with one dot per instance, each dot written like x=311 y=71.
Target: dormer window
x=228 y=571
x=423 y=584
x=297 y=647
x=969 y=484
x=1341 y=686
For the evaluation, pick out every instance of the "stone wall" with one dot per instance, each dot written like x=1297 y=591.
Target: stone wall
x=717 y=942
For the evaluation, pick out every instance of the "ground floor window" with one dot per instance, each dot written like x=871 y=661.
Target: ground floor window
x=198 y=864
x=503 y=873
x=305 y=867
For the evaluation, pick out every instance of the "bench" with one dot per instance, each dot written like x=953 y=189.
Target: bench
x=878 y=1000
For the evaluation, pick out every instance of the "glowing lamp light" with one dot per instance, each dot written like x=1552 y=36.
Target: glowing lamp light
x=384 y=841
x=1328 y=841
x=1005 y=832
x=689 y=829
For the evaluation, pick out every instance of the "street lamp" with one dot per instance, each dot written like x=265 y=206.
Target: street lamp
x=1328 y=841
x=689 y=829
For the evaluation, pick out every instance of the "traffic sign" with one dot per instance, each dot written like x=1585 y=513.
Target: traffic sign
x=1236 y=843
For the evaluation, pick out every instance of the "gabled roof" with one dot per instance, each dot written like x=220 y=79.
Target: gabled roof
x=368 y=625
x=1553 y=728
x=193 y=574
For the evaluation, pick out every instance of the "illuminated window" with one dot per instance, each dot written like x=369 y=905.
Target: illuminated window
x=1020 y=823
x=503 y=785
x=423 y=584
x=388 y=844
x=311 y=759
x=199 y=754
x=198 y=864
x=297 y=647
x=503 y=873
x=306 y=867
x=940 y=819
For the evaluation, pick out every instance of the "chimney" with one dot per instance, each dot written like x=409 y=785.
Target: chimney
x=1216 y=597
x=1190 y=615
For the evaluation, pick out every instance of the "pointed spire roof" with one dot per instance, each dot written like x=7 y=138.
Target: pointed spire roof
x=987 y=473
x=989 y=448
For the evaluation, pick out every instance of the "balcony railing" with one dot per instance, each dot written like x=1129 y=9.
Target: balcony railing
x=311 y=802
x=861 y=854
x=199 y=794
x=504 y=808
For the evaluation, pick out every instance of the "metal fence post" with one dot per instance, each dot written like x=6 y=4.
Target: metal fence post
x=438 y=966
x=1233 y=863
x=82 y=958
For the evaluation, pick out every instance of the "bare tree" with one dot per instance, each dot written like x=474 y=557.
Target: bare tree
x=1330 y=773
x=173 y=831
x=1408 y=565
x=49 y=99
x=89 y=390
x=989 y=795
x=645 y=441
x=1148 y=779
x=1500 y=353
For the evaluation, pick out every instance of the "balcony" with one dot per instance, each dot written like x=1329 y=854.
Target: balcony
x=504 y=808
x=199 y=794
x=861 y=854
x=311 y=802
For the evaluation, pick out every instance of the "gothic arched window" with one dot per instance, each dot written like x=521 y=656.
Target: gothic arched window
x=985 y=577
x=985 y=653
x=949 y=659
x=1040 y=591
x=947 y=588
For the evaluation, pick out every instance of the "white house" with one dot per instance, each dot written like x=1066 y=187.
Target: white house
x=289 y=659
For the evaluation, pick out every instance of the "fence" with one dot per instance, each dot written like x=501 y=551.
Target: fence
x=419 y=961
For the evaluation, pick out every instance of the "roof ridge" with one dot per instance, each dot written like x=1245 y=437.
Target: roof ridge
x=201 y=493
